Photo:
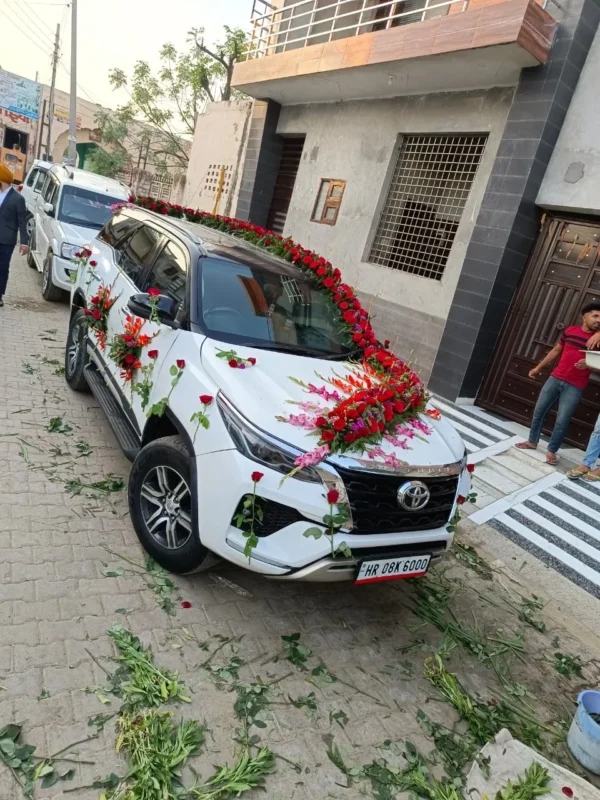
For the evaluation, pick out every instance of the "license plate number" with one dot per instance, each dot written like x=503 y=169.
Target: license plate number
x=391 y=569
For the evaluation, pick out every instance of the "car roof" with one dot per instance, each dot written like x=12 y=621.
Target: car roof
x=39 y=163
x=89 y=180
x=217 y=244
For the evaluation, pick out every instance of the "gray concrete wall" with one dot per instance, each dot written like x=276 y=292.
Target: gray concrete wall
x=572 y=181
x=358 y=142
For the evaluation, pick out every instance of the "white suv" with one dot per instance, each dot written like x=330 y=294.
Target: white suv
x=32 y=187
x=234 y=383
x=72 y=206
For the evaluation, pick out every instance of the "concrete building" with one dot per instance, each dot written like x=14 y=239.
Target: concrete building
x=407 y=142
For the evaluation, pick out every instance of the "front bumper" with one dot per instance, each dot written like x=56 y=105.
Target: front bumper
x=62 y=268
x=287 y=553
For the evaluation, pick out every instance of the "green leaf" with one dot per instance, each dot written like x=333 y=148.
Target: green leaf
x=10 y=732
x=50 y=779
x=113 y=572
x=173 y=369
x=340 y=717
x=313 y=533
x=7 y=746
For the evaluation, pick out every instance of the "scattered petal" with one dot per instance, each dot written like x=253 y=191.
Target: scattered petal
x=186 y=604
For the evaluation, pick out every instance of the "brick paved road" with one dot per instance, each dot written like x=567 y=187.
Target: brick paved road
x=56 y=605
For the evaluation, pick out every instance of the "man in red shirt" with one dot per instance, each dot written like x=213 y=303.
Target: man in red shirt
x=567 y=381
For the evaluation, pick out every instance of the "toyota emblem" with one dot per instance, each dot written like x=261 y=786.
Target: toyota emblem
x=413 y=496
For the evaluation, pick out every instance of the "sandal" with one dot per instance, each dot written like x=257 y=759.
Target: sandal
x=576 y=473
x=552 y=459
x=591 y=477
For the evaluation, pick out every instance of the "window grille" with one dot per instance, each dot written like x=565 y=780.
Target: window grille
x=425 y=201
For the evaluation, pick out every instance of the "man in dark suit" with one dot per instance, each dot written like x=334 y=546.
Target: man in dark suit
x=13 y=215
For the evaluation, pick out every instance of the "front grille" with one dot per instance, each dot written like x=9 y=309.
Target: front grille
x=374 y=504
x=400 y=550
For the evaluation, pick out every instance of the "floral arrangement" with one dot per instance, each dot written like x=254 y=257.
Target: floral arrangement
x=250 y=513
x=235 y=361
x=97 y=313
x=334 y=521
x=380 y=398
x=176 y=372
x=200 y=417
x=125 y=349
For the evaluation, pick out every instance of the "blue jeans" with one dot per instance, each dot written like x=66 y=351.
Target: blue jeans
x=568 y=397
x=592 y=454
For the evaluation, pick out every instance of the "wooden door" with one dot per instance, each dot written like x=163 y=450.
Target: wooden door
x=563 y=274
x=284 y=184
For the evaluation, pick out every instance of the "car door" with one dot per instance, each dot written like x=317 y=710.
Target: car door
x=132 y=257
x=168 y=273
x=43 y=221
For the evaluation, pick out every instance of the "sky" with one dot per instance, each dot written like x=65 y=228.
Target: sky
x=111 y=33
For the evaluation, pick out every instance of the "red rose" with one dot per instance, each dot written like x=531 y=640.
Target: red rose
x=349 y=438
x=87 y=312
x=370 y=351
x=352 y=413
x=152 y=353
x=127 y=337
x=362 y=343
x=313 y=265
x=252 y=361
x=257 y=476
x=399 y=406
x=321 y=271
x=333 y=496
x=328 y=283
x=180 y=363
x=460 y=499
x=339 y=425
x=344 y=305
x=93 y=263
x=321 y=422
x=153 y=292
x=129 y=358
x=306 y=260
x=373 y=427
x=470 y=467
x=328 y=436
x=233 y=363
x=348 y=316
x=137 y=364
x=95 y=300
x=337 y=298
x=206 y=399
x=96 y=314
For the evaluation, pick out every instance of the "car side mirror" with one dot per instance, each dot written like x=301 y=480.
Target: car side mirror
x=49 y=209
x=166 y=308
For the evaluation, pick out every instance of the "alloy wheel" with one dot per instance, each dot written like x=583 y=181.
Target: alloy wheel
x=166 y=504
x=73 y=348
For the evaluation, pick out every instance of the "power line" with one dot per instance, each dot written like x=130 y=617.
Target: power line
x=30 y=23
x=27 y=36
x=44 y=24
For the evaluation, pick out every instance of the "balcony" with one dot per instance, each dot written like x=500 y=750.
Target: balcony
x=328 y=50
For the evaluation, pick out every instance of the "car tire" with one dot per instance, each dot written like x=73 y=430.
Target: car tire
x=76 y=355
x=161 y=498
x=50 y=292
x=30 y=260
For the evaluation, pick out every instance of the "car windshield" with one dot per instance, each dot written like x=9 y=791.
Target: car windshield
x=261 y=307
x=83 y=207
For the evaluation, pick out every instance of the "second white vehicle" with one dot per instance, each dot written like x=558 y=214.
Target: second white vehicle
x=73 y=205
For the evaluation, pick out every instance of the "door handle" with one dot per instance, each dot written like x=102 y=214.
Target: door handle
x=560 y=326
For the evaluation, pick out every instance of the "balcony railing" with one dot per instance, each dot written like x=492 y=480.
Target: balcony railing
x=281 y=25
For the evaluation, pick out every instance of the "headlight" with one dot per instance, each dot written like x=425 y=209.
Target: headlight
x=70 y=251
x=260 y=447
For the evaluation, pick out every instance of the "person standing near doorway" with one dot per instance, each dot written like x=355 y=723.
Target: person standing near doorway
x=567 y=381
x=13 y=214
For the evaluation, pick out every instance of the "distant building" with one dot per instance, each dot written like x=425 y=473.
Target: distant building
x=24 y=117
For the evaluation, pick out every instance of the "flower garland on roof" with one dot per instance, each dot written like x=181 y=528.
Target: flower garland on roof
x=380 y=398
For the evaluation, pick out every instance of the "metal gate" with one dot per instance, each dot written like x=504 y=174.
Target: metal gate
x=563 y=274
x=284 y=185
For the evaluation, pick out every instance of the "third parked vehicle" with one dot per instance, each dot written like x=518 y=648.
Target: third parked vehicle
x=73 y=205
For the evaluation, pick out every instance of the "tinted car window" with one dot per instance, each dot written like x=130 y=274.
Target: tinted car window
x=40 y=181
x=261 y=306
x=32 y=177
x=50 y=191
x=86 y=208
x=135 y=252
x=117 y=228
x=169 y=272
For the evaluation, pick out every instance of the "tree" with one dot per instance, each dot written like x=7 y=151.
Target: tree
x=107 y=163
x=160 y=117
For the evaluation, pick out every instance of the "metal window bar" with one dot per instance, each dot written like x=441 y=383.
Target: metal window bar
x=270 y=26
x=425 y=202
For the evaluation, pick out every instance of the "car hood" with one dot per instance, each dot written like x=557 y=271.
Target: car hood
x=77 y=234
x=263 y=392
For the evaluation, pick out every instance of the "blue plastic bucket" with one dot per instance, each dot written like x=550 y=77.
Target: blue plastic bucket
x=584 y=735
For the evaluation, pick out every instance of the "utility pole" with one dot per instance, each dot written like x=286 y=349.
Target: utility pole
x=73 y=97
x=55 y=56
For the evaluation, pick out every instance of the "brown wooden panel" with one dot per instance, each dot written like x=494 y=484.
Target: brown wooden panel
x=563 y=274
x=284 y=184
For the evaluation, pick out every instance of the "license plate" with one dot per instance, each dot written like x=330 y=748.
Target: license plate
x=392 y=569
